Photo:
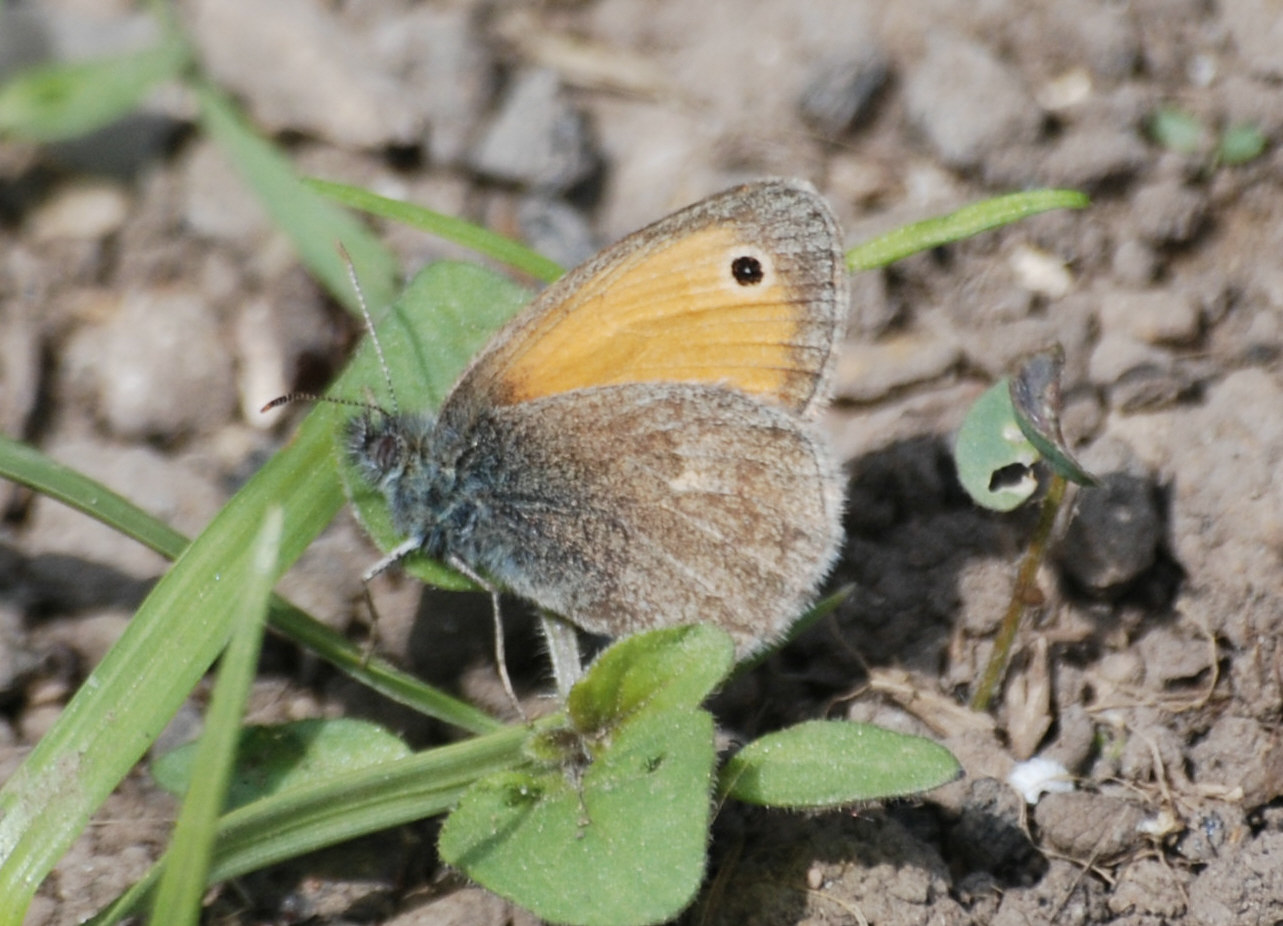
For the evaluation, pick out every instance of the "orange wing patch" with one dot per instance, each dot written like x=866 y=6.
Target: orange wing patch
x=674 y=311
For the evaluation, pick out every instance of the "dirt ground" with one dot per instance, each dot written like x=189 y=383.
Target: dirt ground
x=149 y=307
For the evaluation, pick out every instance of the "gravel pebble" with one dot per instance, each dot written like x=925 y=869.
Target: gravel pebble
x=997 y=349
x=1222 y=459
x=88 y=211
x=473 y=906
x=22 y=363
x=967 y=103
x=1089 y=826
x=75 y=562
x=1104 y=36
x=323 y=582
x=1154 y=316
x=537 y=138
x=1242 y=885
x=841 y=90
x=19 y=656
x=1114 y=533
x=1039 y=272
x=990 y=829
x=1149 y=386
x=872 y=312
x=1168 y=212
x=870 y=371
x=1087 y=156
x=1118 y=353
x=186 y=384
x=1148 y=887
x=1134 y=262
x=89 y=636
x=556 y=229
x=1252 y=102
x=449 y=73
x=299 y=68
x=659 y=159
x=1242 y=754
x=216 y=203
x=1257 y=32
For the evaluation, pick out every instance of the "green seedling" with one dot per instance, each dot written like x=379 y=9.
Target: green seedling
x=1183 y=132
x=1012 y=428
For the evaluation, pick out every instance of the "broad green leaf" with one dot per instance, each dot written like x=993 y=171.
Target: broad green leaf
x=674 y=667
x=993 y=455
x=616 y=842
x=270 y=759
x=829 y=763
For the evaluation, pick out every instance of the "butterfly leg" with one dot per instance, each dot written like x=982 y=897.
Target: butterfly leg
x=563 y=651
x=501 y=659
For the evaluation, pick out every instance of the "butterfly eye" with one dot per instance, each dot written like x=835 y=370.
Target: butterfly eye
x=747 y=270
x=387 y=451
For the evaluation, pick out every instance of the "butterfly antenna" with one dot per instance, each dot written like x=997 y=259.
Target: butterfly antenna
x=369 y=404
x=291 y=397
x=369 y=326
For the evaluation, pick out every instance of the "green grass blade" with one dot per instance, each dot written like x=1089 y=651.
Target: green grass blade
x=315 y=226
x=967 y=221
x=59 y=101
x=365 y=801
x=481 y=240
x=178 y=899
x=378 y=674
x=167 y=647
x=343 y=807
x=24 y=464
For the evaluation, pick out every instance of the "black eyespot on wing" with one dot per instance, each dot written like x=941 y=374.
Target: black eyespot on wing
x=747 y=271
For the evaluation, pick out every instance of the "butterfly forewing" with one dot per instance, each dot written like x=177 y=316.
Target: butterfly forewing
x=745 y=290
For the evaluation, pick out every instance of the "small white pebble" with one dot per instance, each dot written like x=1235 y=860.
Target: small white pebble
x=1036 y=777
x=1161 y=825
x=1067 y=90
x=814 y=878
x=1040 y=272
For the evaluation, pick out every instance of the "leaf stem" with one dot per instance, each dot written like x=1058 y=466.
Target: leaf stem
x=1024 y=596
